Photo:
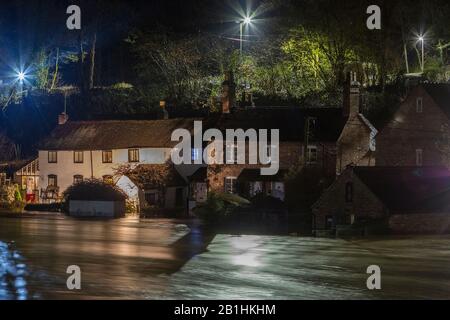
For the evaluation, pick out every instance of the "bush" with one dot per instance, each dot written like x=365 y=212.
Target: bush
x=94 y=190
x=219 y=206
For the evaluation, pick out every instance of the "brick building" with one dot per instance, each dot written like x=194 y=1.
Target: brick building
x=418 y=132
x=404 y=199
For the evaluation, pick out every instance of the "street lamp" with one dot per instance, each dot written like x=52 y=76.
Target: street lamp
x=21 y=76
x=246 y=21
x=421 y=39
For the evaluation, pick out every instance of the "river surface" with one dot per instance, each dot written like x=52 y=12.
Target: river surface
x=126 y=258
x=168 y=259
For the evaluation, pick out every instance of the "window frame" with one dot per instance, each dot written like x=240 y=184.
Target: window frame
x=134 y=151
x=78 y=178
x=106 y=159
x=419 y=106
x=233 y=185
x=55 y=179
x=76 y=159
x=234 y=158
x=309 y=159
x=50 y=158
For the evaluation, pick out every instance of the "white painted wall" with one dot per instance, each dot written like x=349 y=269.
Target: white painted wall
x=65 y=169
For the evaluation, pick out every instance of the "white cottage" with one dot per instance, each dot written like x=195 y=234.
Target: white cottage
x=95 y=149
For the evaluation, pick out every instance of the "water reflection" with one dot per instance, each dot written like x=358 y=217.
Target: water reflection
x=119 y=259
x=13 y=272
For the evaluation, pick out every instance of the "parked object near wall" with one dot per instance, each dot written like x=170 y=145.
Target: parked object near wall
x=95 y=199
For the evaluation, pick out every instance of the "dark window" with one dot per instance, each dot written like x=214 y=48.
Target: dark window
x=133 y=155
x=77 y=179
x=52 y=180
x=78 y=156
x=52 y=157
x=329 y=222
x=150 y=198
x=349 y=192
x=107 y=156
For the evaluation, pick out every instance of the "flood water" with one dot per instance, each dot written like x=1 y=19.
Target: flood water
x=126 y=258
x=167 y=259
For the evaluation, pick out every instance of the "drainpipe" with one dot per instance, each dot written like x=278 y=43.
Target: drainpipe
x=92 y=165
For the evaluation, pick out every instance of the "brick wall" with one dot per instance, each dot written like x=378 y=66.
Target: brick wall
x=420 y=223
x=408 y=130
x=353 y=145
x=365 y=205
x=290 y=154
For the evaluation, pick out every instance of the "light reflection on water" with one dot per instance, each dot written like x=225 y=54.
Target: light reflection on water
x=119 y=259
x=13 y=272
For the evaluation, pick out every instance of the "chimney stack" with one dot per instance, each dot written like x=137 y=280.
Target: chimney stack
x=228 y=93
x=165 y=114
x=351 y=96
x=63 y=118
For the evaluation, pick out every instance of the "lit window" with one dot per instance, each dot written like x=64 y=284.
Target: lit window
x=419 y=157
x=52 y=180
x=78 y=156
x=52 y=157
x=231 y=154
x=311 y=156
x=77 y=179
x=419 y=105
x=196 y=154
x=230 y=185
x=107 y=156
x=133 y=155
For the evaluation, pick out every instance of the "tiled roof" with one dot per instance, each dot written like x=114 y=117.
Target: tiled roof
x=407 y=189
x=329 y=122
x=101 y=135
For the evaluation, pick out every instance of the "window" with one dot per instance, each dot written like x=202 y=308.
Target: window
x=108 y=179
x=107 y=156
x=231 y=154
x=230 y=185
x=52 y=157
x=52 y=180
x=78 y=157
x=151 y=198
x=196 y=154
x=349 y=192
x=329 y=222
x=77 y=179
x=419 y=157
x=133 y=155
x=419 y=105
x=311 y=155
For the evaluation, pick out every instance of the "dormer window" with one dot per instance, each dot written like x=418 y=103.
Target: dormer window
x=419 y=105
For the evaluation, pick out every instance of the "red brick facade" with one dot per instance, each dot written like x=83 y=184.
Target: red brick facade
x=345 y=201
x=410 y=130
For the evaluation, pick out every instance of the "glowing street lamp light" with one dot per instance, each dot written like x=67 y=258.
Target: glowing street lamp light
x=21 y=76
x=246 y=21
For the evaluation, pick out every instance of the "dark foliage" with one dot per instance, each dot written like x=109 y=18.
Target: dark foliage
x=94 y=190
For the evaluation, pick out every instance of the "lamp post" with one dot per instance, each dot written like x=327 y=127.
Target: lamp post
x=245 y=21
x=421 y=39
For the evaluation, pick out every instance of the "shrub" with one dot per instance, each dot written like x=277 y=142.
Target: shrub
x=94 y=190
x=219 y=206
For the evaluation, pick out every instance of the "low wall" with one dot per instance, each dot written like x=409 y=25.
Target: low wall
x=420 y=223
x=97 y=209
